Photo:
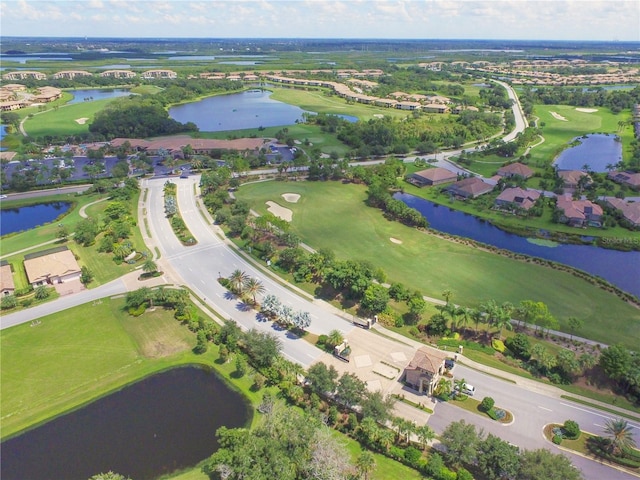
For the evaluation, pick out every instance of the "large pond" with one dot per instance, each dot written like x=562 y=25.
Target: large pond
x=619 y=268
x=25 y=218
x=238 y=111
x=596 y=150
x=163 y=423
x=85 y=95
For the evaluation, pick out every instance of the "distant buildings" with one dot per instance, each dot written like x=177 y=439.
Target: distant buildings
x=24 y=75
x=71 y=74
x=160 y=73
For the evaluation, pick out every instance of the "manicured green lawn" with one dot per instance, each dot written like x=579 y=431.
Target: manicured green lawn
x=62 y=121
x=332 y=215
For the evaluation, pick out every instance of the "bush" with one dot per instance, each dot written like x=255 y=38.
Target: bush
x=557 y=439
x=412 y=455
x=519 y=345
x=136 y=312
x=487 y=404
x=8 y=302
x=498 y=345
x=464 y=474
x=322 y=340
x=571 y=430
x=399 y=322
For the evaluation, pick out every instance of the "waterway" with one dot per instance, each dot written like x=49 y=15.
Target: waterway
x=25 y=218
x=617 y=267
x=151 y=428
x=238 y=111
x=595 y=150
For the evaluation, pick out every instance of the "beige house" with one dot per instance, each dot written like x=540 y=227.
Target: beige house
x=57 y=265
x=579 y=213
x=630 y=211
x=515 y=169
x=424 y=370
x=517 y=199
x=7 y=287
x=471 y=187
x=24 y=74
x=433 y=176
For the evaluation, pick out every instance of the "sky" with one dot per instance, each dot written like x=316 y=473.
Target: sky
x=607 y=20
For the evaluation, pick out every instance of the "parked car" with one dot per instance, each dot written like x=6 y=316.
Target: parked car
x=467 y=389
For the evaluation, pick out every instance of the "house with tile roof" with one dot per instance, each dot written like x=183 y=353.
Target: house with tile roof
x=578 y=213
x=7 y=287
x=630 y=179
x=56 y=265
x=515 y=169
x=516 y=199
x=433 y=176
x=630 y=211
x=471 y=187
x=424 y=370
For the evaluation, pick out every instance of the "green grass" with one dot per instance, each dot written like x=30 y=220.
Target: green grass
x=332 y=215
x=62 y=121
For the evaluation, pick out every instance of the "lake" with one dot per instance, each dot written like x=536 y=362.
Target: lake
x=83 y=95
x=596 y=150
x=25 y=218
x=238 y=111
x=162 y=423
x=617 y=267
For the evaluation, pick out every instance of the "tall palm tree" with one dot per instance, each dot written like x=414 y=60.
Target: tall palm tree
x=149 y=266
x=465 y=315
x=385 y=438
x=425 y=435
x=365 y=464
x=370 y=429
x=253 y=287
x=620 y=435
x=238 y=279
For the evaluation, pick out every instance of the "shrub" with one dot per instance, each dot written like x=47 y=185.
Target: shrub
x=8 y=301
x=399 y=322
x=487 y=404
x=412 y=455
x=322 y=340
x=464 y=474
x=414 y=332
x=571 y=430
x=557 y=439
x=498 y=345
x=519 y=345
x=136 y=312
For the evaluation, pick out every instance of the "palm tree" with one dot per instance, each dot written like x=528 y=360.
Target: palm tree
x=385 y=438
x=503 y=318
x=253 y=287
x=425 y=435
x=370 y=430
x=447 y=294
x=459 y=384
x=365 y=464
x=237 y=279
x=443 y=388
x=478 y=317
x=335 y=337
x=465 y=315
x=149 y=266
x=620 y=435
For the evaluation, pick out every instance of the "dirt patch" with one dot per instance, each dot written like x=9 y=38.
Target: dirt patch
x=279 y=211
x=557 y=116
x=587 y=110
x=291 y=197
x=395 y=240
x=81 y=121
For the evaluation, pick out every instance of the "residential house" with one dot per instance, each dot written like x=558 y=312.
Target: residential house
x=578 y=213
x=435 y=108
x=433 y=176
x=56 y=265
x=7 y=286
x=24 y=74
x=471 y=187
x=47 y=94
x=630 y=179
x=515 y=169
x=630 y=210
x=517 y=198
x=571 y=179
x=425 y=369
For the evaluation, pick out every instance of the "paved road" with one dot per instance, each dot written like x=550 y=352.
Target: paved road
x=45 y=193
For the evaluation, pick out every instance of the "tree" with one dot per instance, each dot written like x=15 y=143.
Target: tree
x=63 y=233
x=86 y=276
x=41 y=292
x=109 y=476
x=322 y=378
x=86 y=232
x=443 y=389
x=620 y=435
x=417 y=306
x=335 y=337
x=149 y=266
x=461 y=441
x=238 y=279
x=615 y=360
x=375 y=298
x=377 y=406
x=575 y=324
x=365 y=464
x=425 y=434
x=241 y=366
x=253 y=287
x=497 y=459
x=487 y=404
x=262 y=347
x=350 y=389
x=543 y=465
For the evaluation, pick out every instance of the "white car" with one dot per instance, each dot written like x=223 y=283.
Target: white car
x=467 y=389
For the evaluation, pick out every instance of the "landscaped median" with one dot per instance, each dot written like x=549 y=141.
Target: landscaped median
x=173 y=214
x=617 y=450
x=485 y=407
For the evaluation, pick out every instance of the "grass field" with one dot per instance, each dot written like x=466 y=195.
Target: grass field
x=62 y=121
x=332 y=215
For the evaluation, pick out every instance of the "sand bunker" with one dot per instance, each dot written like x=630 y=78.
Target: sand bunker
x=280 y=212
x=291 y=197
x=395 y=240
x=587 y=110
x=81 y=121
x=557 y=116
x=378 y=115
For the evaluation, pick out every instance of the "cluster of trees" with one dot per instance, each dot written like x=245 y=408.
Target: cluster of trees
x=137 y=116
x=498 y=459
x=112 y=233
x=622 y=366
x=273 y=308
x=616 y=100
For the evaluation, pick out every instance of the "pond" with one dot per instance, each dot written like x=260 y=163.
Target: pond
x=156 y=426
x=238 y=111
x=595 y=150
x=619 y=268
x=25 y=218
x=84 y=95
